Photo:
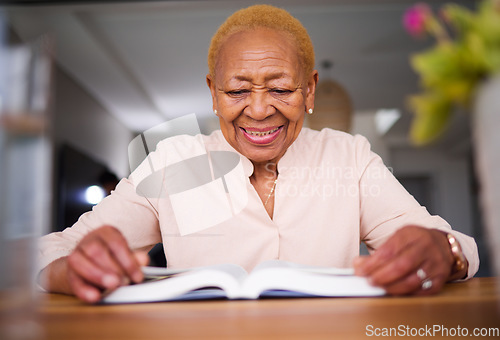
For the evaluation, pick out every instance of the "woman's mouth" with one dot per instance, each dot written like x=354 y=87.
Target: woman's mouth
x=261 y=136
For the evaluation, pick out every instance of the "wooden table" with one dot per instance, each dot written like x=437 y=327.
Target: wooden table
x=469 y=305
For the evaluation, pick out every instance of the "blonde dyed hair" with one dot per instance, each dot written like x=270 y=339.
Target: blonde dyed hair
x=263 y=16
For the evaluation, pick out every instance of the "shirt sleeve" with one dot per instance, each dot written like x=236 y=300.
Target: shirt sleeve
x=133 y=215
x=386 y=206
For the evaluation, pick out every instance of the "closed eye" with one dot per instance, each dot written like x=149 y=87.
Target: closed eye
x=280 y=91
x=236 y=93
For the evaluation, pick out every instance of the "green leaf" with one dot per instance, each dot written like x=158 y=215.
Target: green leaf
x=450 y=71
x=460 y=18
x=432 y=115
x=441 y=62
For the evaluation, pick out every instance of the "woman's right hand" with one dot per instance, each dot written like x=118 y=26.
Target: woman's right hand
x=100 y=263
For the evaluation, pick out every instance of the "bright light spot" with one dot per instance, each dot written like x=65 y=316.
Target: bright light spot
x=385 y=119
x=94 y=194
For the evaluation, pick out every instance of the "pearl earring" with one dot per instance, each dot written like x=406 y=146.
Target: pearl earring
x=215 y=111
x=310 y=111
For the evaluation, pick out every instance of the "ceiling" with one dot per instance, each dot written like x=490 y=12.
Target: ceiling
x=146 y=61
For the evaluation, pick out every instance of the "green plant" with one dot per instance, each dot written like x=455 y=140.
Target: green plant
x=467 y=51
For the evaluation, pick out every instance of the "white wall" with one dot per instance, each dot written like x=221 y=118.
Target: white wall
x=450 y=177
x=448 y=170
x=82 y=122
x=363 y=123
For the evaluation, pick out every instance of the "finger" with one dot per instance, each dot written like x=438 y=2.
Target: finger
x=122 y=254
x=430 y=286
x=436 y=284
x=358 y=264
x=435 y=279
x=401 y=240
x=410 y=284
x=142 y=258
x=88 y=271
x=97 y=252
x=391 y=248
x=83 y=290
x=425 y=281
x=398 y=267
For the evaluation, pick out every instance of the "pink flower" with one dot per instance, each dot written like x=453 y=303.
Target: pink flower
x=415 y=19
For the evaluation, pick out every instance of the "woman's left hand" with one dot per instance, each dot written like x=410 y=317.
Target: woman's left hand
x=414 y=260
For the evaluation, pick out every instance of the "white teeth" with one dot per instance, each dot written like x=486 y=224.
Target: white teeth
x=260 y=134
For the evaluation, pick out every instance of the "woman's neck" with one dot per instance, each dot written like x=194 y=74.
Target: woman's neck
x=264 y=179
x=266 y=171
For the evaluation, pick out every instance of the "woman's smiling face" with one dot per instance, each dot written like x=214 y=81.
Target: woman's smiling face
x=260 y=93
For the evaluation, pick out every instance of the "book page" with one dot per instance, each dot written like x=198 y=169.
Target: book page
x=151 y=273
x=304 y=268
x=235 y=271
x=306 y=280
x=183 y=284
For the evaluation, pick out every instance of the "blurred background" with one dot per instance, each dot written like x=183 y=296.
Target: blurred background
x=122 y=67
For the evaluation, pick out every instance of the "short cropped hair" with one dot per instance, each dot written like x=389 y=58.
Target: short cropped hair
x=263 y=16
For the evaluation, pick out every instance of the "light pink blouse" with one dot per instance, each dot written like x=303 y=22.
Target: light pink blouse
x=332 y=193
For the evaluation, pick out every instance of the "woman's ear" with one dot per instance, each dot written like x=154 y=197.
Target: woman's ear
x=211 y=86
x=312 y=81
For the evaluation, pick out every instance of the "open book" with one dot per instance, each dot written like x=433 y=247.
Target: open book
x=269 y=279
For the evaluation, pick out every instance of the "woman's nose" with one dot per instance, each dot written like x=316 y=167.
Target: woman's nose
x=259 y=106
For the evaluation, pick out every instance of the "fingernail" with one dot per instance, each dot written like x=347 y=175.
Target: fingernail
x=125 y=281
x=110 y=281
x=137 y=276
x=142 y=258
x=91 y=296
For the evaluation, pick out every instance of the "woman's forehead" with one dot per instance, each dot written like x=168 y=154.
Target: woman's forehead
x=259 y=78
x=247 y=52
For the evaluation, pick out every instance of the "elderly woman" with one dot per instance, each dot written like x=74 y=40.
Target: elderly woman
x=262 y=82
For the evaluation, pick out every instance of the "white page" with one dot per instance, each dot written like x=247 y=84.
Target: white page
x=227 y=277
x=304 y=268
x=309 y=280
x=160 y=272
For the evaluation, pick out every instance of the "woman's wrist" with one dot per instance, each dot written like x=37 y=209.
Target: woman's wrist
x=53 y=278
